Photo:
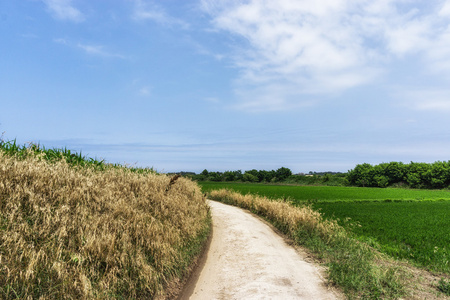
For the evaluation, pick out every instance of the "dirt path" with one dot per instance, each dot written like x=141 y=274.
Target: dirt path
x=248 y=260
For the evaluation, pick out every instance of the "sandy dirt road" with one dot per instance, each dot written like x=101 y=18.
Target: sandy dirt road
x=247 y=259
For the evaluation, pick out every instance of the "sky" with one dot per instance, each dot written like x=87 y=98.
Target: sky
x=188 y=85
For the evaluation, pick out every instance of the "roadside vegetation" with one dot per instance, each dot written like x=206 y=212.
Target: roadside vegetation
x=404 y=224
x=78 y=228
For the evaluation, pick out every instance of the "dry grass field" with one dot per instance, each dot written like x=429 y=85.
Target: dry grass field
x=81 y=233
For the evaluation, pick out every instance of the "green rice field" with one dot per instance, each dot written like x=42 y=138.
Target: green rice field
x=404 y=223
x=320 y=193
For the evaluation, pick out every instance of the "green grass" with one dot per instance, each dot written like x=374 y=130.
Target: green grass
x=404 y=223
x=415 y=230
x=320 y=193
x=22 y=151
x=73 y=158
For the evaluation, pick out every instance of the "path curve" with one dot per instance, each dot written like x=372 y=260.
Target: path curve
x=248 y=260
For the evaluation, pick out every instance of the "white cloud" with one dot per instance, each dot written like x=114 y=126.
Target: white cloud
x=98 y=50
x=200 y=49
x=212 y=100
x=29 y=36
x=91 y=49
x=294 y=48
x=64 y=10
x=61 y=41
x=147 y=10
x=304 y=46
x=409 y=36
x=145 y=91
x=438 y=55
x=271 y=97
x=426 y=99
x=445 y=9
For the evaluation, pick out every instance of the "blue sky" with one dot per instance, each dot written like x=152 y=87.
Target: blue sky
x=227 y=85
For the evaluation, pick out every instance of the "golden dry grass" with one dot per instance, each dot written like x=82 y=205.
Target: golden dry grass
x=286 y=216
x=78 y=233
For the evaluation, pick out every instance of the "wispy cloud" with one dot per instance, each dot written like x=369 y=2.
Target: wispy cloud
x=145 y=91
x=61 y=41
x=99 y=50
x=148 y=10
x=426 y=99
x=90 y=49
x=30 y=36
x=64 y=10
x=294 y=49
x=214 y=100
x=201 y=49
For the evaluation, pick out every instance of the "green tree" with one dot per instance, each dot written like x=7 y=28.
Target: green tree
x=395 y=172
x=381 y=181
x=415 y=176
x=229 y=176
x=266 y=176
x=437 y=175
x=215 y=176
x=282 y=173
x=254 y=173
x=238 y=175
x=361 y=175
x=249 y=177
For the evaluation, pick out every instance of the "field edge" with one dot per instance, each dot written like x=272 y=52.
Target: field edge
x=177 y=287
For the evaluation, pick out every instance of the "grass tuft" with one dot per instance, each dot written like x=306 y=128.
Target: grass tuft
x=444 y=286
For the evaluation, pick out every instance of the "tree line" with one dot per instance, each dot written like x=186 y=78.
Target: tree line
x=394 y=174
x=415 y=175
x=281 y=175
x=254 y=175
